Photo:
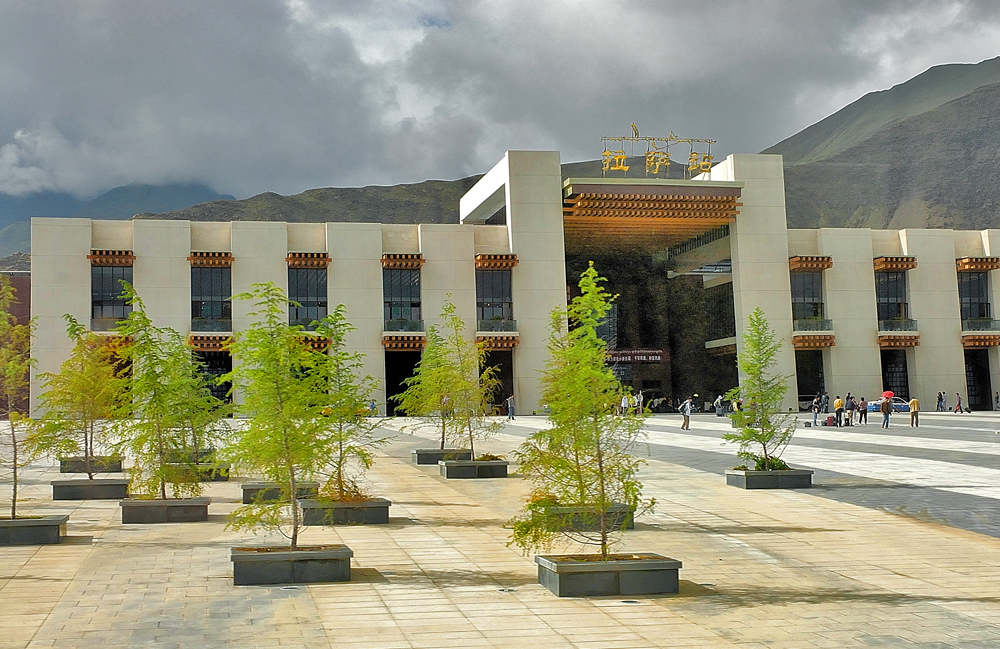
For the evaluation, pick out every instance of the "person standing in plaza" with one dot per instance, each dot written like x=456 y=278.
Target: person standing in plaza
x=849 y=406
x=940 y=402
x=886 y=409
x=638 y=403
x=623 y=406
x=996 y=401
x=825 y=403
x=838 y=411
x=686 y=412
x=863 y=411
x=914 y=413
x=510 y=407
x=815 y=410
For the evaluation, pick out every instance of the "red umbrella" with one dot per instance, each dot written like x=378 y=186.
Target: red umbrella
x=888 y=394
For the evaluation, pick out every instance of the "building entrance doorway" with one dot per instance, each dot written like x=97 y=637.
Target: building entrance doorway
x=809 y=375
x=894 y=374
x=503 y=360
x=977 y=379
x=399 y=366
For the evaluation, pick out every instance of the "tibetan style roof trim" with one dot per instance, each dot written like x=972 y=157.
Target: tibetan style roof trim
x=892 y=341
x=403 y=261
x=602 y=217
x=973 y=341
x=977 y=263
x=111 y=258
x=807 y=263
x=319 y=343
x=308 y=259
x=496 y=262
x=208 y=343
x=211 y=259
x=813 y=341
x=722 y=350
x=403 y=343
x=895 y=263
x=498 y=341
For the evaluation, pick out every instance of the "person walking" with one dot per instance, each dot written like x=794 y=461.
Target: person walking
x=824 y=402
x=958 y=403
x=914 y=413
x=886 y=409
x=510 y=407
x=838 y=411
x=863 y=411
x=940 y=402
x=686 y=412
x=851 y=406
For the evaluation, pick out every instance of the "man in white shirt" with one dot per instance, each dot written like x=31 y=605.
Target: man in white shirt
x=686 y=412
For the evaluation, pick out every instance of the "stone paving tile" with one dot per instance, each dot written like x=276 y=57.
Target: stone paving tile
x=770 y=570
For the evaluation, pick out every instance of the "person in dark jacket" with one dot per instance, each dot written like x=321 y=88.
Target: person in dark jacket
x=886 y=409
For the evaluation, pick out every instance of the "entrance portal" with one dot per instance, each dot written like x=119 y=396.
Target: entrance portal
x=809 y=375
x=399 y=366
x=503 y=360
x=977 y=379
x=894 y=374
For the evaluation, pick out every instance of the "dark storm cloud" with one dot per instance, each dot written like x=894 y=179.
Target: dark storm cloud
x=251 y=96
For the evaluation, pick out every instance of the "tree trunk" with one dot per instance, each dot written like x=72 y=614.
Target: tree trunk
x=13 y=498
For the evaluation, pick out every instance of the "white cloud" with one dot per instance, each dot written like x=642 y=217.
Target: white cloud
x=262 y=95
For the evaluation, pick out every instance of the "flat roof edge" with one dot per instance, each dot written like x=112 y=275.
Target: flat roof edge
x=653 y=182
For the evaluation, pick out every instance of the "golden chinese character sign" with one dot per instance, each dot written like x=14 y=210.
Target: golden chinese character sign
x=657 y=154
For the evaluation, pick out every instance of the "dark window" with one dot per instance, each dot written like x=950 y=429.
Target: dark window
x=974 y=295
x=211 y=308
x=607 y=330
x=307 y=286
x=106 y=304
x=401 y=294
x=720 y=312
x=493 y=295
x=890 y=294
x=807 y=295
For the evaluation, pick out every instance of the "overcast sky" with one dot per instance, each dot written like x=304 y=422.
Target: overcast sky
x=253 y=95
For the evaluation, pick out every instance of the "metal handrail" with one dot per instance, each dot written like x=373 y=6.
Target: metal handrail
x=897 y=324
x=496 y=325
x=401 y=324
x=810 y=324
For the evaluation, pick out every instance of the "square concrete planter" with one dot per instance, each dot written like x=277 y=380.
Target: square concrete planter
x=43 y=530
x=205 y=472
x=435 y=455
x=270 y=492
x=171 y=510
x=96 y=489
x=98 y=464
x=583 y=519
x=331 y=512
x=306 y=566
x=474 y=468
x=788 y=479
x=628 y=574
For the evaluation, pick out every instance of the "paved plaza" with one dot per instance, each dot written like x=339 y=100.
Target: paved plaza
x=897 y=545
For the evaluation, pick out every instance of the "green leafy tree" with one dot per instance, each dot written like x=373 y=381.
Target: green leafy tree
x=304 y=406
x=426 y=395
x=78 y=401
x=167 y=392
x=585 y=459
x=762 y=429
x=452 y=384
x=350 y=431
x=15 y=365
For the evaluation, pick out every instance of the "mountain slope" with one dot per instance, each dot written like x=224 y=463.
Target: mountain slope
x=937 y=169
x=861 y=119
x=431 y=201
